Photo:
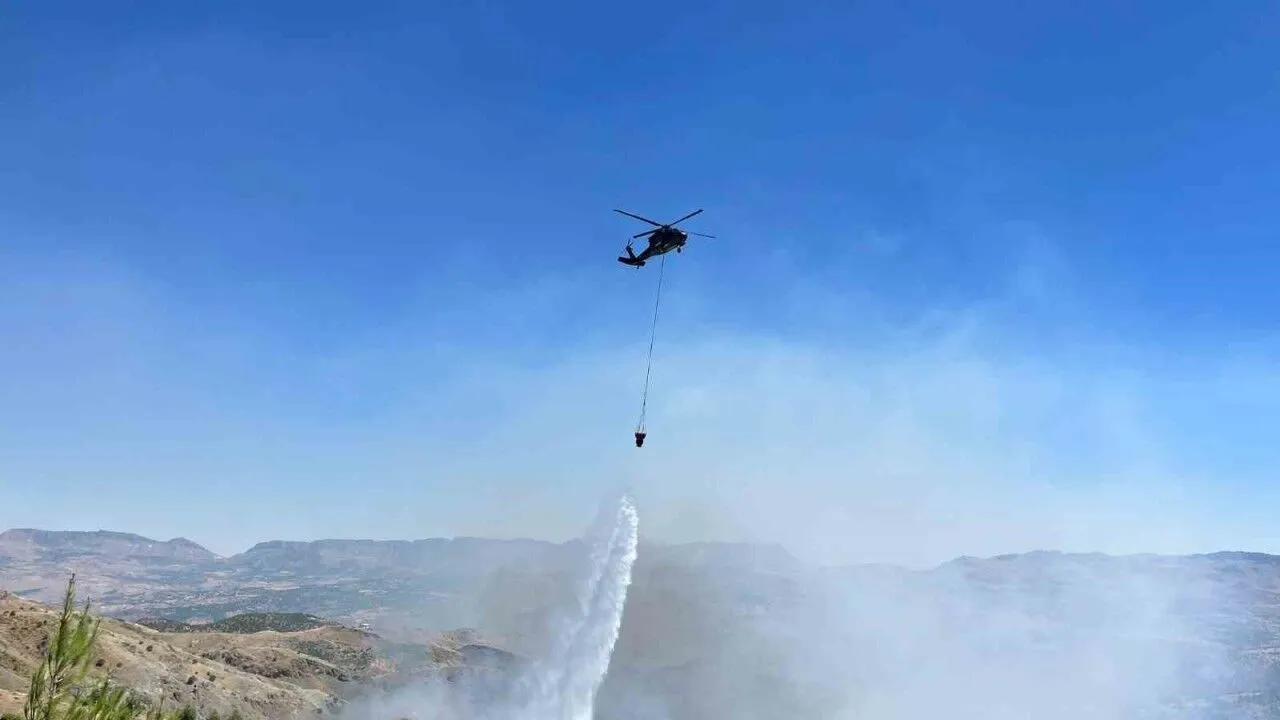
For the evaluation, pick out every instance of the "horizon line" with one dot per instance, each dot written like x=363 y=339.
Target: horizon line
x=519 y=539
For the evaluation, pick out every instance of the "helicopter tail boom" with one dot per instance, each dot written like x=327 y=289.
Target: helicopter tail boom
x=631 y=258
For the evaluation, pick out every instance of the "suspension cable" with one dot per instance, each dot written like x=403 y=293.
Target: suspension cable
x=653 y=332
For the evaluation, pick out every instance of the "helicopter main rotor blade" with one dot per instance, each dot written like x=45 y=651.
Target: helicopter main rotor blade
x=646 y=232
x=699 y=234
x=686 y=217
x=645 y=219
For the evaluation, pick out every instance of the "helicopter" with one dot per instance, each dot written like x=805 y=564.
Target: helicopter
x=662 y=239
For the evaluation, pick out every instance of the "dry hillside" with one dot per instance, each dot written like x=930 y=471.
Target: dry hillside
x=264 y=675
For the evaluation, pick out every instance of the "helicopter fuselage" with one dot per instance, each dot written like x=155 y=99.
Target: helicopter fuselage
x=665 y=241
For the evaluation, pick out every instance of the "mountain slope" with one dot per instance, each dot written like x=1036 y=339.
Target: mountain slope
x=261 y=673
x=175 y=669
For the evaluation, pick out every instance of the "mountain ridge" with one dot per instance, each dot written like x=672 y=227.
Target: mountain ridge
x=703 y=551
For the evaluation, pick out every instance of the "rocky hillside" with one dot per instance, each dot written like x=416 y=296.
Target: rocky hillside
x=262 y=673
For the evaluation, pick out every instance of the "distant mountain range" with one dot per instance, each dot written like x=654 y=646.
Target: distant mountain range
x=431 y=585
x=738 y=630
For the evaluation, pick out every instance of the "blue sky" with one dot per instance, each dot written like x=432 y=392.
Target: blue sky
x=299 y=270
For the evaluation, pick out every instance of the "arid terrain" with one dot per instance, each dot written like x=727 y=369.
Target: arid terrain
x=710 y=630
x=259 y=673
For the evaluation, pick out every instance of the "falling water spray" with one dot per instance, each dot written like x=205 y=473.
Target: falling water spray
x=563 y=685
